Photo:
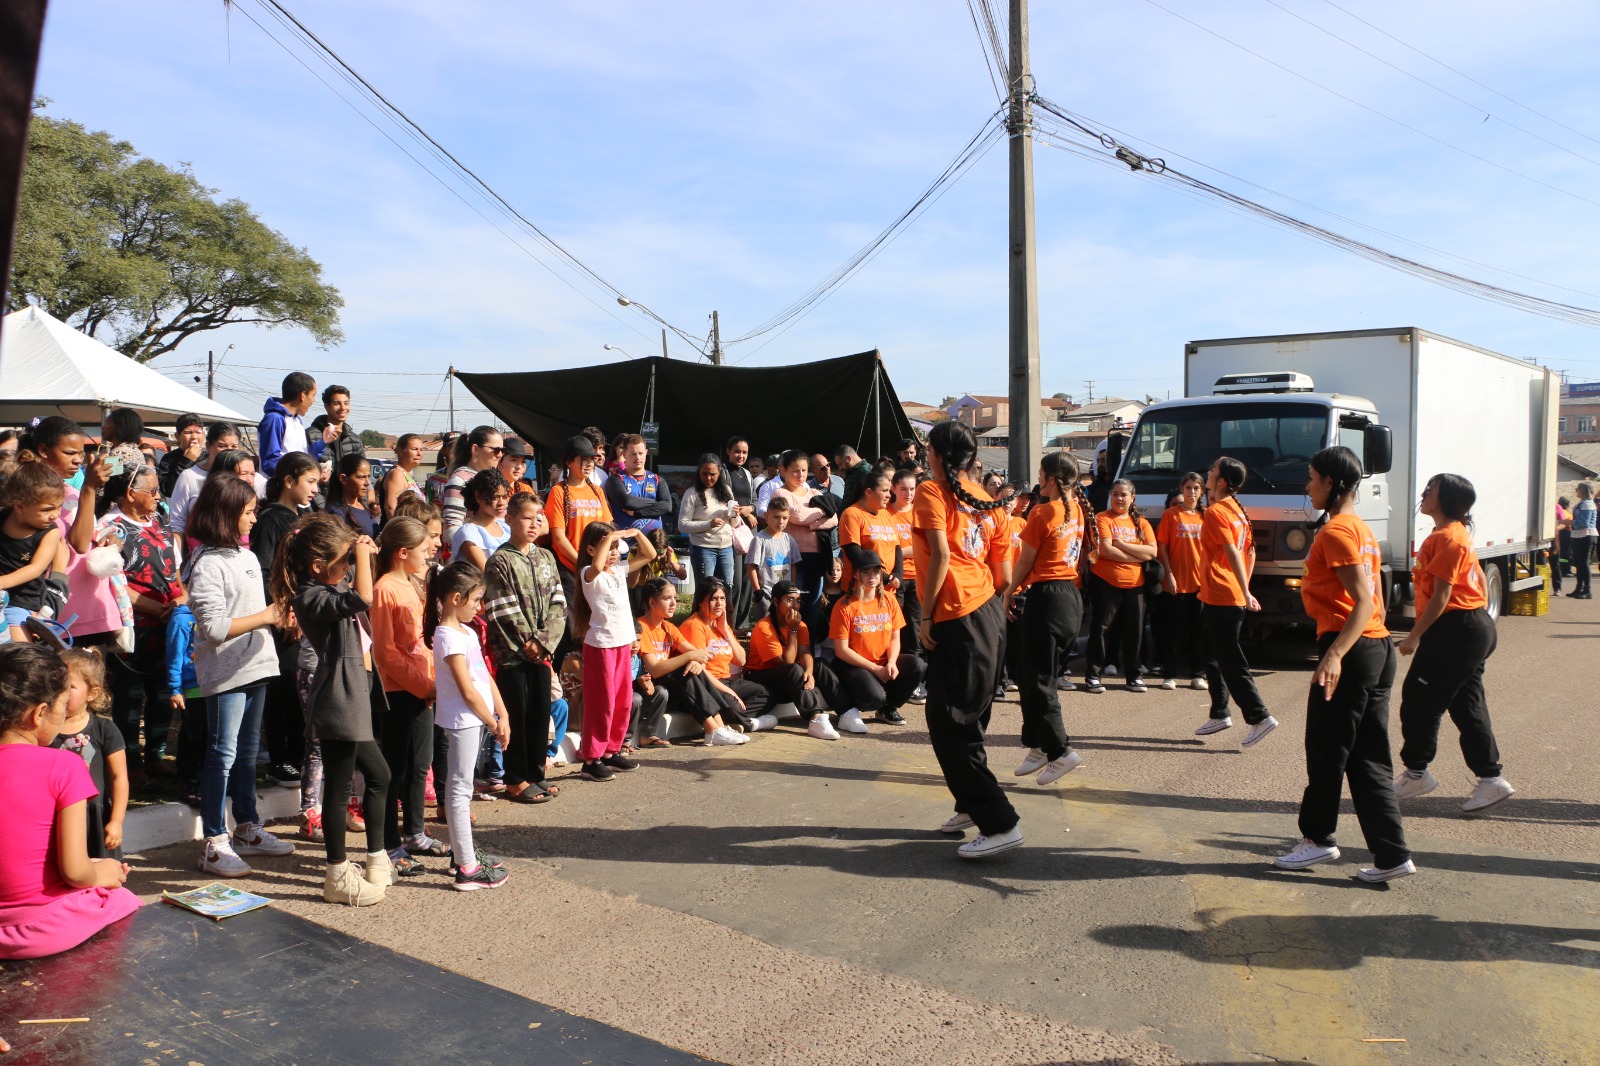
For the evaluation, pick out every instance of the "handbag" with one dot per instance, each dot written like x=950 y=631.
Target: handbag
x=1153 y=573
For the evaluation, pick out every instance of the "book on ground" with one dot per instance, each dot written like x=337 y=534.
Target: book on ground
x=216 y=901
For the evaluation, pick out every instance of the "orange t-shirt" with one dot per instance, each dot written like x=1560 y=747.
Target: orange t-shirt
x=868 y=627
x=570 y=508
x=1014 y=527
x=1180 y=532
x=1224 y=524
x=1447 y=556
x=1124 y=530
x=767 y=644
x=877 y=533
x=1054 y=531
x=662 y=640
x=1344 y=541
x=698 y=633
x=971 y=537
x=902 y=525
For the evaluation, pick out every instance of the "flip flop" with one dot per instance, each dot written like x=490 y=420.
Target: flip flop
x=655 y=742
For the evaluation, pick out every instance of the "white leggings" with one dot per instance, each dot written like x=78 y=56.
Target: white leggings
x=461 y=759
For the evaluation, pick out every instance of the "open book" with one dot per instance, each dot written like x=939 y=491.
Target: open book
x=216 y=901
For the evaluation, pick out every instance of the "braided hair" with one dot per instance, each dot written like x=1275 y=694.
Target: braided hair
x=1339 y=465
x=1062 y=468
x=1232 y=473
x=956 y=447
x=1133 y=508
x=1199 y=479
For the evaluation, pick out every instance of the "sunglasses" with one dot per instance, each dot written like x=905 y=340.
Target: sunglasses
x=495 y=451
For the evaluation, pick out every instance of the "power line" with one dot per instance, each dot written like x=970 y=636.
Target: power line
x=1114 y=152
x=1371 y=109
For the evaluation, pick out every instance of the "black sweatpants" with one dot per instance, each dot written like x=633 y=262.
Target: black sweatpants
x=911 y=609
x=1114 y=606
x=1227 y=670
x=645 y=721
x=1052 y=611
x=786 y=683
x=137 y=692
x=962 y=671
x=1581 y=547
x=408 y=749
x=1447 y=675
x=339 y=759
x=525 y=690
x=1348 y=737
x=283 y=721
x=866 y=692
x=696 y=695
x=1180 y=635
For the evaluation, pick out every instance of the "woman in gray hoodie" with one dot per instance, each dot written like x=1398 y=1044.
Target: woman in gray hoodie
x=234 y=659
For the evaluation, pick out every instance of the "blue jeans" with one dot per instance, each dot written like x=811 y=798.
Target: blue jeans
x=713 y=562
x=559 y=712
x=233 y=729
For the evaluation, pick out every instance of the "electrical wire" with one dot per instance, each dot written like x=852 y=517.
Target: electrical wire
x=1368 y=108
x=1114 y=152
x=995 y=77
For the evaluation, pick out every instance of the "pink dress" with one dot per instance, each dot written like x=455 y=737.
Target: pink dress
x=40 y=914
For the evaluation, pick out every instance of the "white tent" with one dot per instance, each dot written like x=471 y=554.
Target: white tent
x=48 y=368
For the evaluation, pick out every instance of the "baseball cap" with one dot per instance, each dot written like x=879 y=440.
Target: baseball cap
x=580 y=447
x=516 y=449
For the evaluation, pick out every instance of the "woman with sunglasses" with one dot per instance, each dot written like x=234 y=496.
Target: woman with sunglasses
x=478 y=450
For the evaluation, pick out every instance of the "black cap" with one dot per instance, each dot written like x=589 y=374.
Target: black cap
x=516 y=449
x=862 y=558
x=579 y=447
x=780 y=589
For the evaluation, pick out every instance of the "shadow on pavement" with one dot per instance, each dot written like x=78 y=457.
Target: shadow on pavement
x=1338 y=942
x=1504 y=865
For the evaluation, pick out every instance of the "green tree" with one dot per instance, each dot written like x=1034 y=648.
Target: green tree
x=142 y=256
x=373 y=439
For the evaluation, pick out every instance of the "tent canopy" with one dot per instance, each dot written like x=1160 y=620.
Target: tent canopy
x=817 y=406
x=48 y=368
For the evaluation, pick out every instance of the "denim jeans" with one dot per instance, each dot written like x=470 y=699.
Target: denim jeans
x=233 y=729
x=712 y=562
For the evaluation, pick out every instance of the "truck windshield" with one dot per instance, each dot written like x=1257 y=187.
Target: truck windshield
x=1275 y=442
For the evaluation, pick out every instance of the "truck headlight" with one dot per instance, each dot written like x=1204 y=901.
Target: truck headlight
x=1295 y=540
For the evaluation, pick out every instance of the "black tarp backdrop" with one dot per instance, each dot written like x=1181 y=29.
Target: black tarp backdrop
x=21 y=30
x=816 y=406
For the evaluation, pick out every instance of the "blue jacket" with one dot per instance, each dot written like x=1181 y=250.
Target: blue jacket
x=181 y=679
x=269 y=436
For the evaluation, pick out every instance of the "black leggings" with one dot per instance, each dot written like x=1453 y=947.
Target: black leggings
x=1581 y=547
x=1227 y=670
x=1348 y=737
x=1110 y=605
x=339 y=759
x=786 y=683
x=1447 y=675
x=867 y=693
x=525 y=688
x=408 y=751
x=1051 y=614
x=1180 y=635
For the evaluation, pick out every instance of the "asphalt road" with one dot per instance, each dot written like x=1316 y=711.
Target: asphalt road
x=789 y=901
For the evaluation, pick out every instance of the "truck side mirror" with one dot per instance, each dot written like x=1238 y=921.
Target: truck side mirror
x=1378 y=449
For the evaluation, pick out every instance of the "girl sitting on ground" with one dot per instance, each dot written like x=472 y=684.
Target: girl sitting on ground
x=866 y=646
x=679 y=665
x=709 y=627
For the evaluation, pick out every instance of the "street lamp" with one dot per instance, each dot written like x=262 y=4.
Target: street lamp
x=614 y=348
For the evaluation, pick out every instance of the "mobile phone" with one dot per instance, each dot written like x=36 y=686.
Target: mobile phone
x=115 y=463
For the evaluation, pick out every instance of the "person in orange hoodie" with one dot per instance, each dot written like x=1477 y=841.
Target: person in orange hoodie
x=405 y=666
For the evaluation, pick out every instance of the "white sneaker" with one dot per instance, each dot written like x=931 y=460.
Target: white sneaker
x=1031 y=763
x=1214 y=725
x=1408 y=787
x=1056 y=769
x=850 y=721
x=1011 y=686
x=1199 y=684
x=1489 y=791
x=1259 y=731
x=957 y=824
x=253 y=839
x=822 y=728
x=1110 y=670
x=1169 y=684
x=1374 y=874
x=219 y=859
x=763 y=721
x=1308 y=853
x=723 y=735
x=981 y=847
x=1064 y=683
x=920 y=695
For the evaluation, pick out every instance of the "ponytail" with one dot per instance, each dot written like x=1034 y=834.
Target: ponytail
x=1339 y=465
x=956 y=447
x=1062 y=468
x=1232 y=473
x=1133 y=508
x=457 y=579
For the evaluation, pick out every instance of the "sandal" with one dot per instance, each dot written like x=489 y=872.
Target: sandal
x=529 y=794
x=655 y=742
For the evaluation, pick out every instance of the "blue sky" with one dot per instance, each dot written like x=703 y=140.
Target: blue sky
x=728 y=156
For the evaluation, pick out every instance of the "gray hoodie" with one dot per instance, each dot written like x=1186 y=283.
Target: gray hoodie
x=224 y=584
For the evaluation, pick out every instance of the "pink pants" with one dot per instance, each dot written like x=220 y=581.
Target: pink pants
x=607 y=700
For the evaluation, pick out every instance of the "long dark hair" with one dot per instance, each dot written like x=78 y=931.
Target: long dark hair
x=127 y=424
x=1062 y=468
x=30 y=674
x=1455 y=497
x=704 y=587
x=956 y=447
x=1133 y=508
x=1339 y=465
x=214 y=521
x=292 y=466
x=593 y=534
x=46 y=433
x=349 y=463
x=316 y=538
x=476 y=439
x=721 y=490
x=1232 y=473
x=458 y=578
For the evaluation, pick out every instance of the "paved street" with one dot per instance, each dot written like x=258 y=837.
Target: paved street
x=789 y=901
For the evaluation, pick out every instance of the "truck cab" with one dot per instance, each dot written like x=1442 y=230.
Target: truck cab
x=1272 y=422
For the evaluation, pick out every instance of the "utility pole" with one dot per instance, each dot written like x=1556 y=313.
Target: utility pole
x=1025 y=420
x=664 y=354
x=1089 y=391
x=211 y=375
x=451 y=374
x=716 y=341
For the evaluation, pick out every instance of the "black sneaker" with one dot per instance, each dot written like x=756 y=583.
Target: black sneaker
x=596 y=771
x=1093 y=684
x=191 y=794
x=1136 y=685
x=485 y=876
x=890 y=716
x=284 y=775
x=494 y=862
x=620 y=762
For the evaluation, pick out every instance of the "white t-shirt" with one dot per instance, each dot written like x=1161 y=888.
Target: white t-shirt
x=484 y=537
x=187 y=490
x=610 y=614
x=450 y=708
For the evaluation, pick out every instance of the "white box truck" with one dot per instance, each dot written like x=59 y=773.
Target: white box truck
x=1411 y=403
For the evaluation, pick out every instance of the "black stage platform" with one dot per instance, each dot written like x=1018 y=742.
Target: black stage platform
x=168 y=986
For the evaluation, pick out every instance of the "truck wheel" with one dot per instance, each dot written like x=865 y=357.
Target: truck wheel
x=1494 y=588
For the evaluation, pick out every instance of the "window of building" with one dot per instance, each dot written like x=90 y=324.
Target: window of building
x=1586 y=423
x=1561 y=424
